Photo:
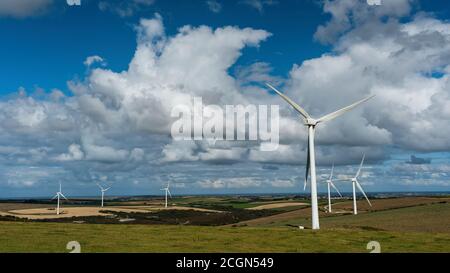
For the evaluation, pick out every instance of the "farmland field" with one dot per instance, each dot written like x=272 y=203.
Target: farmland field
x=425 y=218
x=224 y=224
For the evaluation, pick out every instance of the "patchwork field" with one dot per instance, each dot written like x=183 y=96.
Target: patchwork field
x=224 y=224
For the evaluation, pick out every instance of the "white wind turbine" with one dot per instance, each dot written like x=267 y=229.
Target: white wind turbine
x=355 y=184
x=103 y=190
x=331 y=184
x=311 y=123
x=167 y=191
x=58 y=195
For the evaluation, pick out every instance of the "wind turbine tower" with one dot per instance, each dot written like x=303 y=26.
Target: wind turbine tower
x=58 y=195
x=355 y=184
x=103 y=190
x=167 y=191
x=329 y=185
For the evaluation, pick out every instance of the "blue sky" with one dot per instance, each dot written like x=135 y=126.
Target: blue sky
x=56 y=132
x=65 y=36
x=48 y=50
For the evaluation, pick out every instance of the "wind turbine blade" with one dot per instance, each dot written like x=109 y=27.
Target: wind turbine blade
x=343 y=110
x=362 y=191
x=63 y=196
x=360 y=166
x=291 y=102
x=334 y=187
x=331 y=174
x=169 y=193
x=107 y=189
x=60 y=187
x=56 y=196
x=307 y=167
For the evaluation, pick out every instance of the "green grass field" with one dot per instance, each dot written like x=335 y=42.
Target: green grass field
x=53 y=237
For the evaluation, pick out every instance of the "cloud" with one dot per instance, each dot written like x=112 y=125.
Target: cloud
x=23 y=8
x=87 y=131
x=165 y=72
x=125 y=8
x=214 y=6
x=282 y=184
x=98 y=148
x=394 y=60
x=422 y=175
x=56 y=95
x=354 y=15
x=75 y=153
x=19 y=177
x=180 y=151
x=418 y=160
x=259 y=5
x=248 y=183
x=230 y=183
x=208 y=184
x=256 y=73
x=94 y=59
x=160 y=77
x=118 y=122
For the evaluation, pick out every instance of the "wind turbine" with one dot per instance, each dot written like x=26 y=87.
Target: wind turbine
x=311 y=123
x=103 y=190
x=167 y=191
x=355 y=184
x=331 y=184
x=58 y=195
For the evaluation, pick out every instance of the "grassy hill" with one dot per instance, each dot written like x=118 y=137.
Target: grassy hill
x=53 y=237
x=416 y=224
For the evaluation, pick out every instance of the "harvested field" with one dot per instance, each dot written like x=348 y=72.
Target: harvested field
x=69 y=212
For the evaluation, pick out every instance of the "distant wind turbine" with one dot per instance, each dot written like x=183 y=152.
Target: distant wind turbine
x=58 y=195
x=311 y=123
x=331 y=184
x=167 y=191
x=355 y=184
x=103 y=190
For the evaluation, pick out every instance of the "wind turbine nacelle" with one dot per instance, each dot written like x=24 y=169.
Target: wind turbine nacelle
x=311 y=122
